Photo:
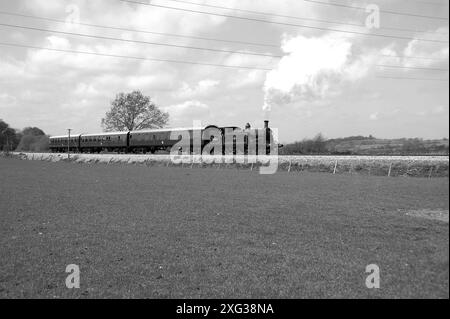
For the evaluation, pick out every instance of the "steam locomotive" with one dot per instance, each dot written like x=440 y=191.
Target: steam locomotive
x=229 y=140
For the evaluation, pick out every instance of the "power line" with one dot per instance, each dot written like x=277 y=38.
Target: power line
x=408 y=78
x=134 y=57
x=138 y=30
x=284 y=23
x=185 y=36
x=297 y=18
x=123 y=29
x=430 y=3
x=138 y=41
x=410 y=57
x=410 y=67
x=385 y=11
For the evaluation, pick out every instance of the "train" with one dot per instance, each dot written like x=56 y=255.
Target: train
x=242 y=141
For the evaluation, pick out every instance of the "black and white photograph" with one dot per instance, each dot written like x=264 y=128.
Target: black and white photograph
x=222 y=155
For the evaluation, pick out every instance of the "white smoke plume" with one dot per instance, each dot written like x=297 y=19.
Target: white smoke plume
x=311 y=69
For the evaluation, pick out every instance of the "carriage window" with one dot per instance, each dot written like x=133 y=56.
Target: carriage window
x=154 y=137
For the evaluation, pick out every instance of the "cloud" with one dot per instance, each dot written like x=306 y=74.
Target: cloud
x=439 y=110
x=435 y=111
x=245 y=79
x=312 y=69
x=84 y=90
x=418 y=53
x=7 y=100
x=202 y=89
x=185 y=113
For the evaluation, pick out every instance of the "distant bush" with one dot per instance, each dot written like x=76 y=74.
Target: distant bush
x=9 y=137
x=33 y=140
x=360 y=145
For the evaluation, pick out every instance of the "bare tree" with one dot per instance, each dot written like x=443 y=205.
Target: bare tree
x=133 y=111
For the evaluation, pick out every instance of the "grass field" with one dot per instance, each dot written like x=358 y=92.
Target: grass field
x=158 y=232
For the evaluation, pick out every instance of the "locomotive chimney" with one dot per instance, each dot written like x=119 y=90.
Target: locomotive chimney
x=266 y=124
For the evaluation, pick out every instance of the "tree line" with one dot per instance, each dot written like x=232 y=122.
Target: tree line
x=366 y=145
x=29 y=139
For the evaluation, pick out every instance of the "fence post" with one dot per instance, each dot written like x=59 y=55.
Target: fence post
x=290 y=165
x=252 y=167
x=335 y=167
x=431 y=172
x=390 y=170
x=407 y=170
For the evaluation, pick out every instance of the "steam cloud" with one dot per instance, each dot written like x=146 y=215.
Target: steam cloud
x=311 y=69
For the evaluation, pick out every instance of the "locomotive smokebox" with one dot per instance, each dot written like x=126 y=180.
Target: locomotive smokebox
x=267 y=130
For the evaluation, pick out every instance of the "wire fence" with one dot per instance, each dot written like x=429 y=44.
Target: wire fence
x=390 y=166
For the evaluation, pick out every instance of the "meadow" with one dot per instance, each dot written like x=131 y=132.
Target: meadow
x=140 y=231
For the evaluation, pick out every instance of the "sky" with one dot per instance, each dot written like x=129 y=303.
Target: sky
x=311 y=68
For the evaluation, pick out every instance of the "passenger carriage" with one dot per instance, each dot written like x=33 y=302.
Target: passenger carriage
x=104 y=142
x=60 y=143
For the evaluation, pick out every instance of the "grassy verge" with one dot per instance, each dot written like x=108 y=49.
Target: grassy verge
x=158 y=232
